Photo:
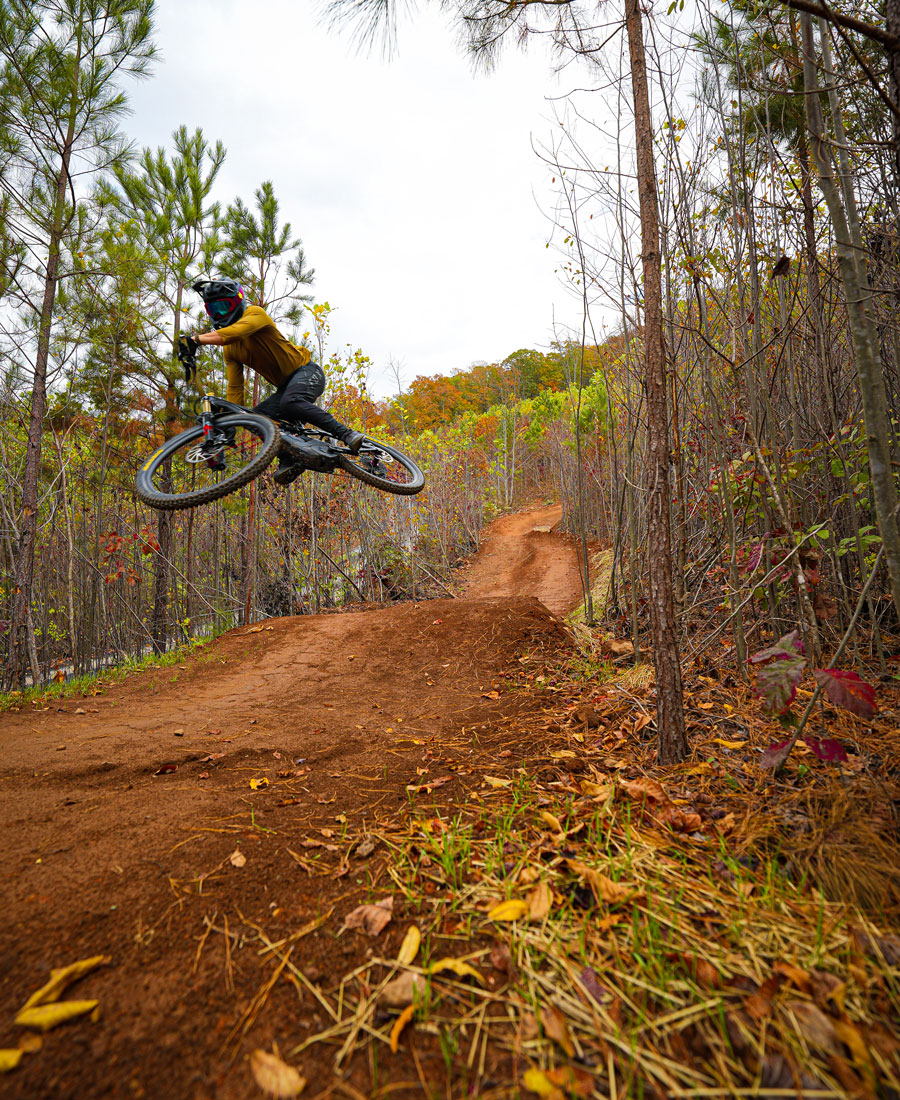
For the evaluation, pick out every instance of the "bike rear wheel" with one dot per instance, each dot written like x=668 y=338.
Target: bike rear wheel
x=192 y=469
x=384 y=468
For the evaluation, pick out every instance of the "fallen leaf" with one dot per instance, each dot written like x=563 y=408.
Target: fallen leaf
x=640 y=789
x=815 y=1027
x=641 y=722
x=501 y=959
x=497 y=784
x=553 y=822
x=850 y=1036
x=430 y=785
x=9 y=1059
x=62 y=977
x=588 y=978
x=572 y=1081
x=166 y=769
x=371 y=919
x=826 y=987
x=729 y=744
x=253 y=630
x=410 y=946
x=513 y=909
x=799 y=978
x=679 y=820
x=614 y=647
x=399 y=1024
x=402 y=991
x=613 y=892
x=365 y=848
x=237 y=858
x=594 y=790
x=540 y=901
x=458 y=967
x=554 y=1024
x=537 y=1081
x=46 y=1016
x=258 y=784
x=275 y=1076
x=564 y=754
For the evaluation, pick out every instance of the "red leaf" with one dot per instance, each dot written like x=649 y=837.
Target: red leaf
x=848 y=690
x=827 y=749
x=774 y=756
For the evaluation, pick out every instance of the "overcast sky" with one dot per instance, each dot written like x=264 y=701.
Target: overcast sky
x=412 y=182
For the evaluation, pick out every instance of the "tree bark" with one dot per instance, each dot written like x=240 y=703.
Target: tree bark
x=669 y=699
x=865 y=344
x=24 y=580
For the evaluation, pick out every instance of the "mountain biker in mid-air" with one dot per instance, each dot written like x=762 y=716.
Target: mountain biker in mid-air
x=249 y=338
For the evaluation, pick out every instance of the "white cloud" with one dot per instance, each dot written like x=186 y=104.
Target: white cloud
x=412 y=183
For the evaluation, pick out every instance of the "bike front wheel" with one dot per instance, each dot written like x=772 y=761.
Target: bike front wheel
x=384 y=468
x=192 y=468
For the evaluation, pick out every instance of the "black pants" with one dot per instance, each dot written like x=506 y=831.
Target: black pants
x=295 y=400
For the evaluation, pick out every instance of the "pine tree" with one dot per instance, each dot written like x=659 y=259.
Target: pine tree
x=63 y=62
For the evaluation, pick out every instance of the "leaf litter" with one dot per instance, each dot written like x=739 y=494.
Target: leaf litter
x=623 y=933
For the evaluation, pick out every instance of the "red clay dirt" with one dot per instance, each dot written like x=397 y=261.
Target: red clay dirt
x=293 y=738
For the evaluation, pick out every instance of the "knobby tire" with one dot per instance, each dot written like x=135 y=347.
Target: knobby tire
x=350 y=464
x=260 y=426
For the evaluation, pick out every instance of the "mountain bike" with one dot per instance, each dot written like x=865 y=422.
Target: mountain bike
x=229 y=446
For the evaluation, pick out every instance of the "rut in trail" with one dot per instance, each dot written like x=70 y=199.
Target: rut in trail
x=114 y=802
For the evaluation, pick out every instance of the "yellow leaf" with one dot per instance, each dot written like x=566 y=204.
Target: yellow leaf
x=553 y=822
x=458 y=967
x=62 y=977
x=535 y=1080
x=257 y=784
x=594 y=790
x=44 y=1017
x=700 y=769
x=410 y=946
x=9 y=1059
x=274 y=1076
x=514 y=909
x=399 y=1024
x=563 y=754
x=492 y=781
x=729 y=744
x=849 y=1034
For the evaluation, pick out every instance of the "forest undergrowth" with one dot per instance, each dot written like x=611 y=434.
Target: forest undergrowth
x=589 y=923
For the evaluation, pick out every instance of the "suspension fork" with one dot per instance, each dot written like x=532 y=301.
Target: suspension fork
x=206 y=415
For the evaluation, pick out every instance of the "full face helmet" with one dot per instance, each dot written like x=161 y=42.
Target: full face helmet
x=224 y=300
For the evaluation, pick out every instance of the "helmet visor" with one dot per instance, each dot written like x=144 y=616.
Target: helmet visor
x=222 y=307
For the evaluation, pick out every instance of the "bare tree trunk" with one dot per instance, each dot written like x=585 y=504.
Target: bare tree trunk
x=865 y=345
x=669 y=698
x=24 y=580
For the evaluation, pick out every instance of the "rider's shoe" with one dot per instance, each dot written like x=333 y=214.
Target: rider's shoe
x=353 y=440
x=287 y=471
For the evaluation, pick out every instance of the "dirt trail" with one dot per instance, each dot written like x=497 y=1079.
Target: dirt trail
x=523 y=555
x=121 y=809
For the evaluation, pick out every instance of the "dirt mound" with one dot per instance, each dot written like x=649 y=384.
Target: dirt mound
x=288 y=741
